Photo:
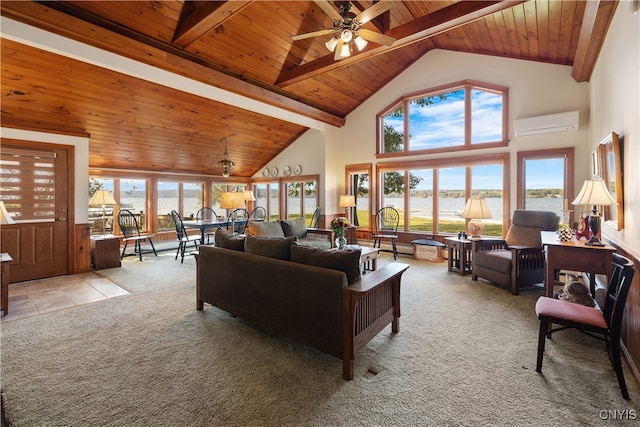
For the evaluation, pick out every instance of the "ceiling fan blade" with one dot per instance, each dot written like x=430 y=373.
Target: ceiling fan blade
x=375 y=10
x=312 y=34
x=328 y=8
x=372 y=36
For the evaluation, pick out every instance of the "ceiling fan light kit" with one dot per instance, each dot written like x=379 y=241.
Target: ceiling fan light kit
x=347 y=29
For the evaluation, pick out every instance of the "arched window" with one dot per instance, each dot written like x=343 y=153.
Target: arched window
x=460 y=116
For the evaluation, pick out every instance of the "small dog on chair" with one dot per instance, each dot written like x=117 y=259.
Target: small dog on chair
x=576 y=292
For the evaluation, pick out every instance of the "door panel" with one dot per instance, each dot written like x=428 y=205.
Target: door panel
x=39 y=247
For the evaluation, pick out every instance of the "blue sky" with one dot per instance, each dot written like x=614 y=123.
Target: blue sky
x=442 y=124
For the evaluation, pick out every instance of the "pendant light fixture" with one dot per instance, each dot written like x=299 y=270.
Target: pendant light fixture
x=226 y=164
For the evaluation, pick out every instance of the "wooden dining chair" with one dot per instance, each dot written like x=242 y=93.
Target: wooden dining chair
x=237 y=221
x=315 y=218
x=182 y=236
x=206 y=213
x=603 y=324
x=130 y=230
x=386 y=228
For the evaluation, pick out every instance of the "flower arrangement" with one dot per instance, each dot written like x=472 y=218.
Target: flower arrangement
x=339 y=225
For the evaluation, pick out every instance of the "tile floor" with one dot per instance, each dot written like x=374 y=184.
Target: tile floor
x=41 y=296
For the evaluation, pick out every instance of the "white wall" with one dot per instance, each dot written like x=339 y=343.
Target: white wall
x=534 y=89
x=615 y=107
x=81 y=163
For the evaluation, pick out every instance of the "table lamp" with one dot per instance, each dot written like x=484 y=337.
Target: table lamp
x=248 y=196
x=347 y=201
x=232 y=200
x=475 y=211
x=594 y=192
x=5 y=218
x=103 y=198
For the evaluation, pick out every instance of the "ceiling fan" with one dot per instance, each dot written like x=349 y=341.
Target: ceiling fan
x=347 y=28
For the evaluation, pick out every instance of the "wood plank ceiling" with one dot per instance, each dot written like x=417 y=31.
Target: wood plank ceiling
x=245 y=48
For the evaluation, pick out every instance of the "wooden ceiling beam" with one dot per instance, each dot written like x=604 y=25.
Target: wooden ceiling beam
x=445 y=19
x=204 y=18
x=595 y=24
x=167 y=57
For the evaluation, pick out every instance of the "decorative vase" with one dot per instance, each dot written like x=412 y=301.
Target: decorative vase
x=341 y=241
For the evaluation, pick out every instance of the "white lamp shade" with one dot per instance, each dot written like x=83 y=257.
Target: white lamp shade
x=102 y=197
x=331 y=44
x=248 y=196
x=344 y=51
x=594 y=192
x=360 y=42
x=5 y=218
x=232 y=200
x=476 y=209
x=347 y=201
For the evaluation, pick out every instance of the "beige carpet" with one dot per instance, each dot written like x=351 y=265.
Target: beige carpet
x=465 y=355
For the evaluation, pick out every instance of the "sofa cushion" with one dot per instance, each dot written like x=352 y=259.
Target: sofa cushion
x=496 y=259
x=347 y=261
x=296 y=227
x=272 y=247
x=315 y=242
x=265 y=229
x=224 y=239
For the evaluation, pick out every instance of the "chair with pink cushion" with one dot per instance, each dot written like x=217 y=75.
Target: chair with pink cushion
x=603 y=324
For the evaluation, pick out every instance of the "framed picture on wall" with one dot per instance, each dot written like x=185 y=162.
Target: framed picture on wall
x=611 y=157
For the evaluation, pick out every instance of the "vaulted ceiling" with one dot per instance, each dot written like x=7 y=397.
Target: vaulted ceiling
x=230 y=69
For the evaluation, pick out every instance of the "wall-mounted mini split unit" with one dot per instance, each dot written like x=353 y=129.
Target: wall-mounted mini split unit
x=550 y=123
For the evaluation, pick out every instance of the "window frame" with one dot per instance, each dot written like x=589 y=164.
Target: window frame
x=351 y=170
x=435 y=164
x=468 y=86
x=567 y=152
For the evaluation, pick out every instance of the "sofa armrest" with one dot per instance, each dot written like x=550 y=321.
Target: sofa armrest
x=527 y=257
x=320 y=233
x=488 y=244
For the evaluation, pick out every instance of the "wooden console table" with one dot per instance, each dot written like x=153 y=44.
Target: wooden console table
x=574 y=255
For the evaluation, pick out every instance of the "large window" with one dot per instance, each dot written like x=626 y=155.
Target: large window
x=455 y=117
x=546 y=179
x=359 y=185
x=410 y=188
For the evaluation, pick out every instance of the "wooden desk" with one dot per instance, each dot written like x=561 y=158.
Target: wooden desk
x=5 y=259
x=105 y=251
x=573 y=255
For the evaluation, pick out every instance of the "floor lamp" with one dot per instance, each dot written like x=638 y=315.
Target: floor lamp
x=103 y=198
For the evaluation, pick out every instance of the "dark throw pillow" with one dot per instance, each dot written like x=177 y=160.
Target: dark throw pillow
x=296 y=227
x=224 y=239
x=347 y=260
x=272 y=247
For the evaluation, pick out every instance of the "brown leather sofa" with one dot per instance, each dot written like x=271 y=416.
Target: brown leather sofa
x=312 y=304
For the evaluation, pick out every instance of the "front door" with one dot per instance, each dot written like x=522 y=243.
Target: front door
x=34 y=189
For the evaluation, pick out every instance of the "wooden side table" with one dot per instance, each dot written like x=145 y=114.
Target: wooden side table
x=459 y=255
x=5 y=259
x=105 y=251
